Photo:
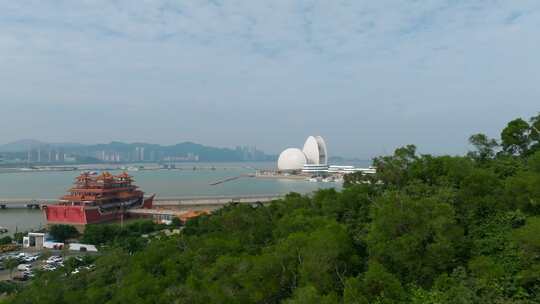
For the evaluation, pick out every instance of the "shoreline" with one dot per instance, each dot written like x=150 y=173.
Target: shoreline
x=134 y=167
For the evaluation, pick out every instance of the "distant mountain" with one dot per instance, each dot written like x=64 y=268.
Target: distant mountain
x=116 y=151
x=28 y=144
x=186 y=151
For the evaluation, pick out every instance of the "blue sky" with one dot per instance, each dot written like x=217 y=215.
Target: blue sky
x=367 y=75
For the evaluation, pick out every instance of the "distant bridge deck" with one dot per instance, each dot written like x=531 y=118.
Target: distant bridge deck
x=187 y=201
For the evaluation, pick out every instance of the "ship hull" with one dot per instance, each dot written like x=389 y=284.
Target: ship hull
x=79 y=216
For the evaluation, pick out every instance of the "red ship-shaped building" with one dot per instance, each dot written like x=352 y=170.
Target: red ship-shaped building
x=96 y=199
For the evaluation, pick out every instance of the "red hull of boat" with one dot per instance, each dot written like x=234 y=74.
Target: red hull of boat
x=81 y=215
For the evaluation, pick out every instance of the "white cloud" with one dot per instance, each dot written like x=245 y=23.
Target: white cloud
x=391 y=71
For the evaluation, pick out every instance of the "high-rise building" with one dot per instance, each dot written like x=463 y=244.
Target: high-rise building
x=139 y=154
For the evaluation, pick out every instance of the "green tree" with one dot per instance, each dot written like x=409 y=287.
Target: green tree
x=455 y=288
x=393 y=170
x=18 y=236
x=100 y=234
x=65 y=251
x=376 y=285
x=309 y=294
x=7 y=288
x=176 y=222
x=485 y=147
x=10 y=264
x=45 y=254
x=488 y=279
x=353 y=291
x=6 y=240
x=415 y=238
x=528 y=238
x=63 y=232
x=440 y=171
x=534 y=162
x=522 y=192
x=419 y=295
x=424 y=229
x=360 y=178
x=480 y=195
x=380 y=286
x=521 y=189
x=515 y=137
x=535 y=133
x=322 y=257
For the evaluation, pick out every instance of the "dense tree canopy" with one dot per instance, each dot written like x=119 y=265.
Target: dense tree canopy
x=63 y=232
x=424 y=229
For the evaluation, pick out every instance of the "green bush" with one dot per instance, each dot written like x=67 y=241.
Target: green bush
x=63 y=232
x=6 y=240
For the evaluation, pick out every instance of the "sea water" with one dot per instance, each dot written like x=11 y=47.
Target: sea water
x=188 y=180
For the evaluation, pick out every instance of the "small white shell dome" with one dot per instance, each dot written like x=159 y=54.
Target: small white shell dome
x=291 y=159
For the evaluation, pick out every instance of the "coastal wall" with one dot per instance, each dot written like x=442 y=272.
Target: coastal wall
x=159 y=202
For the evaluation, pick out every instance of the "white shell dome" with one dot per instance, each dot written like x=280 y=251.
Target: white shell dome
x=315 y=150
x=291 y=159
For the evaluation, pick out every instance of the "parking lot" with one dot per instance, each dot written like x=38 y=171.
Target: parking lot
x=28 y=262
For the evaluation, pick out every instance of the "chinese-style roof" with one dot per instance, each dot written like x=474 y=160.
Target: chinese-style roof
x=104 y=186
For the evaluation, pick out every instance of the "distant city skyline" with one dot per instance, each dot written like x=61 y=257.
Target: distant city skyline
x=35 y=152
x=368 y=76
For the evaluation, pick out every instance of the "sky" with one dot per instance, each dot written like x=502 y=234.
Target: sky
x=368 y=76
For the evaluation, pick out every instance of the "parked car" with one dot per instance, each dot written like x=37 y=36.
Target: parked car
x=20 y=276
x=49 y=267
x=29 y=274
x=55 y=259
x=30 y=258
x=24 y=267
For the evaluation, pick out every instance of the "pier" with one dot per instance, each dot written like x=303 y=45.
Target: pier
x=228 y=179
x=23 y=203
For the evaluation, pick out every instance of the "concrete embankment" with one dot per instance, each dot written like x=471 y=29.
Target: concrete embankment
x=181 y=202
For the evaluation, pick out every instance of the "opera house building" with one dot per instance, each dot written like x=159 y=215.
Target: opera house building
x=313 y=158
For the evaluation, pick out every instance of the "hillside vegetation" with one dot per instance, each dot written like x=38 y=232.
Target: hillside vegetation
x=424 y=229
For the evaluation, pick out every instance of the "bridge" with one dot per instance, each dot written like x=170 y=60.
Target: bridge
x=175 y=202
x=24 y=203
